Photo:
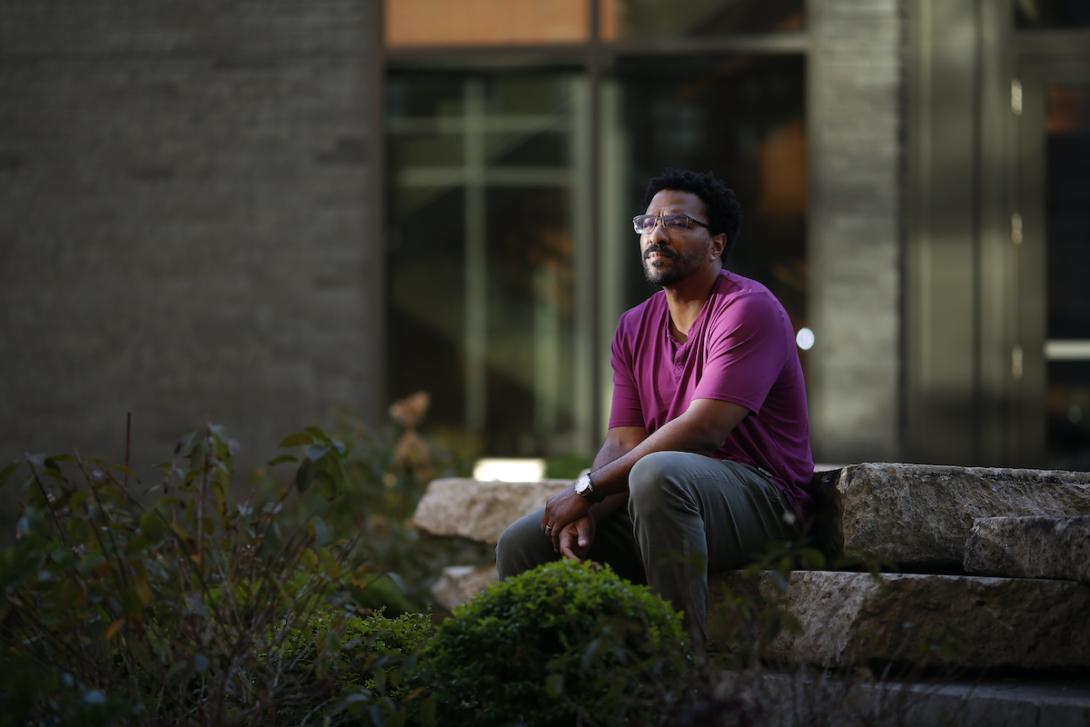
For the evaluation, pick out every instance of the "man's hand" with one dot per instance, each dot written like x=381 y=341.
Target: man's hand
x=561 y=509
x=577 y=537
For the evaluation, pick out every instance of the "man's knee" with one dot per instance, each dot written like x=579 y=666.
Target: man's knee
x=651 y=479
x=519 y=547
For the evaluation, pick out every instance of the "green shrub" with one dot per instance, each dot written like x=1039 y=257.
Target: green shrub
x=364 y=482
x=566 y=643
x=370 y=661
x=177 y=601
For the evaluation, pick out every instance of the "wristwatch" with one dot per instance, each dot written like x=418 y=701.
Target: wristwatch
x=584 y=487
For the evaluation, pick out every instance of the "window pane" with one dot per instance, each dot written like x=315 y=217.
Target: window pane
x=741 y=117
x=1051 y=13
x=484 y=22
x=1068 y=210
x=622 y=19
x=1067 y=406
x=426 y=264
x=482 y=190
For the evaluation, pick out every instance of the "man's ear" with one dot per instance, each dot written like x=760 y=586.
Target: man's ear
x=719 y=242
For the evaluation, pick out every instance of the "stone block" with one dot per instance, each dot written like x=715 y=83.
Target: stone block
x=1030 y=547
x=479 y=511
x=922 y=514
x=460 y=583
x=850 y=619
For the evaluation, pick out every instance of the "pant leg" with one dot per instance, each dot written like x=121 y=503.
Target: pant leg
x=692 y=514
x=523 y=546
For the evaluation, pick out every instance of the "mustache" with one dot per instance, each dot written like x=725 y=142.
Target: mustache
x=660 y=249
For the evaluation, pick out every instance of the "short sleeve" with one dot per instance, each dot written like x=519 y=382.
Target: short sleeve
x=747 y=347
x=625 y=410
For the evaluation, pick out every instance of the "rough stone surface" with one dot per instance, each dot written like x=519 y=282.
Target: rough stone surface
x=1030 y=547
x=460 y=583
x=479 y=511
x=922 y=514
x=803 y=696
x=852 y=618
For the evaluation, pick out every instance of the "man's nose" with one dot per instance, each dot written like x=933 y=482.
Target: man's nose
x=658 y=234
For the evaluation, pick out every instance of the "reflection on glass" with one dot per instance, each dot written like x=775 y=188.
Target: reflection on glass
x=1068 y=252
x=482 y=188
x=741 y=117
x=630 y=19
x=1051 y=13
x=483 y=22
x=1068 y=410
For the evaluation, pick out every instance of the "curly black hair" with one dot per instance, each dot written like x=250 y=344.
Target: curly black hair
x=724 y=212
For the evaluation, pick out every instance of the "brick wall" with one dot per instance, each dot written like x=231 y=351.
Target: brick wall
x=184 y=221
x=855 y=241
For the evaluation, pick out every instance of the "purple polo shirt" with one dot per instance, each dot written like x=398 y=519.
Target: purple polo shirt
x=740 y=349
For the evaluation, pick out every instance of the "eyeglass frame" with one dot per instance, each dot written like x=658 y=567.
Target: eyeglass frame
x=661 y=218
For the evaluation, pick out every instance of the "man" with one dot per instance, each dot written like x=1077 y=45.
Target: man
x=707 y=459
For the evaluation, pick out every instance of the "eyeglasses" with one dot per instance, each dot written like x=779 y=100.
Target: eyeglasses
x=645 y=224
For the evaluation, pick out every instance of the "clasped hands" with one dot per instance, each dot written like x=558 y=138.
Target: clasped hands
x=569 y=524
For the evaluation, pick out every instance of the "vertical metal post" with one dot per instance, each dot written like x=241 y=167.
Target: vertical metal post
x=476 y=258
x=594 y=74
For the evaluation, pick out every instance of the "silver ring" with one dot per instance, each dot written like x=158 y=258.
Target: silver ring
x=548 y=529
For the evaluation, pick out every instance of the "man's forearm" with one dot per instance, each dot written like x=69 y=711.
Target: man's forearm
x=689 y=432
x=611 y=451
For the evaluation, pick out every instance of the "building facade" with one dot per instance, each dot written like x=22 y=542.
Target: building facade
x=258 y=213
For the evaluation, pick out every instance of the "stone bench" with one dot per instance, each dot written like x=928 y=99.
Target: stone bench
x=1028 y=530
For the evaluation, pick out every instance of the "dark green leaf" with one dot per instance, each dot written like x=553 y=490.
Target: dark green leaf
x=282 y=459
x=152 y=525
x=296 y=440
x=304 y=475
x=812 y=559
x=318 y=434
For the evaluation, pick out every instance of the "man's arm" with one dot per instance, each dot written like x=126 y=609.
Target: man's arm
x=703 y=427
x=619 y=442
x=573 y=540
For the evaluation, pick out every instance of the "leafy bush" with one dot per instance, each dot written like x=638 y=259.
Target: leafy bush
x=176 y=604
x=368 y=491
x=372 y=660
x=565 y=643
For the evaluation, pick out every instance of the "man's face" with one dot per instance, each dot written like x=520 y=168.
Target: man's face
x=671 y=255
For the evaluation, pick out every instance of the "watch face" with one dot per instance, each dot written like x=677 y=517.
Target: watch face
x=582 y=485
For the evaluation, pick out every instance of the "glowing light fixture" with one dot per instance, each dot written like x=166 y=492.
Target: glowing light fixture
x=805 y=339
x=509 y=470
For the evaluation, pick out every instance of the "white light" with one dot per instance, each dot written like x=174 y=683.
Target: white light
x=805 y=339
x=509 y=470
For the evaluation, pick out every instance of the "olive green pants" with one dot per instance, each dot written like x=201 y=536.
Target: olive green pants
x=687 y=515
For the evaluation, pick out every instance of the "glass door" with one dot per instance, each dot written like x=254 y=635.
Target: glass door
x=1053 y=198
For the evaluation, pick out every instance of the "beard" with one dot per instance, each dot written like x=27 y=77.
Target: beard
x=675 y=268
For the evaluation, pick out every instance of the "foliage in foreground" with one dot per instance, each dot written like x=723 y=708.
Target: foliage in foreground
x=179 y=604
x=182 y=604
x=566 y=643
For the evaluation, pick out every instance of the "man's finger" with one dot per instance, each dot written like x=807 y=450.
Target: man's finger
x=582 y=528
x=566 y=545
